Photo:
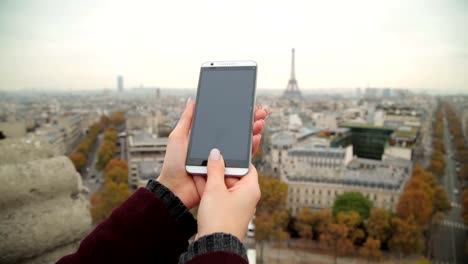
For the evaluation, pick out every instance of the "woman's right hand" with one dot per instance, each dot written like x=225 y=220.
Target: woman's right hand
x=223 y=209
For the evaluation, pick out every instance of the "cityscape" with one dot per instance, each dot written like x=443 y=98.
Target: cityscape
x=352 y=174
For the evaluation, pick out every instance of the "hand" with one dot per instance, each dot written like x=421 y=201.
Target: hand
x=223 y=209
x=173 y=174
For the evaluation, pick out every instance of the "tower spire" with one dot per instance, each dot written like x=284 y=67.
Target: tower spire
x=292 y=90
x=293 y=70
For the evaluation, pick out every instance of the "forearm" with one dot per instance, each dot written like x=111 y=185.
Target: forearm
x=140 y=230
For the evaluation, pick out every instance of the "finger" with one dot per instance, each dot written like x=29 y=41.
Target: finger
x=185 y=121
x=258 y=127
x=215 y=171
x=260 y=114
x=256 y=143
x=230 y=181
x=200 y=182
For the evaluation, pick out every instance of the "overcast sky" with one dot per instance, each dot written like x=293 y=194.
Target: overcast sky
x=86 y=44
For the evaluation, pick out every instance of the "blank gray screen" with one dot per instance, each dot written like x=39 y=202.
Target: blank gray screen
x=223 y=116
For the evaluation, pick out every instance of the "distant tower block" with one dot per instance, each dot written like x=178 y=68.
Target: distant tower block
x=120 y=85
x=292 y=90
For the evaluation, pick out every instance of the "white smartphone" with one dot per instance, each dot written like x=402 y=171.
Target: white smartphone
x=223 y=117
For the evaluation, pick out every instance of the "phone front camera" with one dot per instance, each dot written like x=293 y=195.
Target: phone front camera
x=211 y=64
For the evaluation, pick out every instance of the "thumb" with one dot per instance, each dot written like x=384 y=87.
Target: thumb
x=215 y=170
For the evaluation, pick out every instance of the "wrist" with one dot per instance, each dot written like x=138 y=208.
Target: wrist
x=173 y=188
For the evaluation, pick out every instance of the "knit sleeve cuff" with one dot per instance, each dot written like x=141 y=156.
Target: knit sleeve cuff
x=177 y=209
x=212 y=243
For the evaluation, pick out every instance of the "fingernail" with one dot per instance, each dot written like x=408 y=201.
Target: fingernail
x=188 y=101
x=215 y=154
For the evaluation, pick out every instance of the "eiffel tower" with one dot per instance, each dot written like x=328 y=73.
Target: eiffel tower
x=292 y=90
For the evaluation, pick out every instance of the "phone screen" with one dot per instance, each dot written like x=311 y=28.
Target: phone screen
x=223 y=116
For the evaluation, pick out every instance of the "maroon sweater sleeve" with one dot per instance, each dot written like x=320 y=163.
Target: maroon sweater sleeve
x=141 y=230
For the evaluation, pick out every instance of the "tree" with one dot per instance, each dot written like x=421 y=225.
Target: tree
x=465 y=206
x=335 y=238
x=304 y=222
x=407 y=237
x=352 y=201
x=352 y=220
x=417 y=204
x=117 y=118
x=371 y=249
x=441 y=202
x=379 y=225
x=105 y=121
x=110 y=135
x=116 y=163
x=271 y=217
x=117 y=175
x=105 y=201
x=79 y=160
x=106 y=152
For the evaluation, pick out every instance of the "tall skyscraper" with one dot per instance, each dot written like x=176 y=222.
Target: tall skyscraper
x=120 y=85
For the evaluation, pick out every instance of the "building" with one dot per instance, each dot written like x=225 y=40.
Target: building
x=368 y=141
x=120 y=84
x=380 y=181
x=145 y=154
x=71 y=123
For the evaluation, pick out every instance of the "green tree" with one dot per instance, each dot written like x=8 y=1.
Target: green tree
x=352 y=201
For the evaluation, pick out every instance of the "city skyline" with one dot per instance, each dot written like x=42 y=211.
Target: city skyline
x=83 y=46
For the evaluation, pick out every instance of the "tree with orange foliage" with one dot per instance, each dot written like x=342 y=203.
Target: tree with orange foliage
x=116 y=163
x=105 y=201
x=110 y=135
x=304 y=223
x=465 y=206
x=272 y=215
x=79 y=160
x=117 y=118
x=407 y=237
x=379 y=225
x=352 y=220
x=106 y=152
x=371 y=249
x=335 y=238
x=117 y=175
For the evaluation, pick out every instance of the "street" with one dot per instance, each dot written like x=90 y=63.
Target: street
x=93 y=178
x=450 y=237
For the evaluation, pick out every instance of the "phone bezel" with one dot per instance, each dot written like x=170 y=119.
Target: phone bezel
x=229 y=171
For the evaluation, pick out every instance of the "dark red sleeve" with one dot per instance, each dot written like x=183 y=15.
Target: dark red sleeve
x=141 y=230
x=218 y=257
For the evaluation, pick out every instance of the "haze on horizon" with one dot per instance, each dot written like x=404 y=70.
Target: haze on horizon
x=86 y=44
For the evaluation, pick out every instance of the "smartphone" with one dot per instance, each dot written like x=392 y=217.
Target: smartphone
x=223 y=116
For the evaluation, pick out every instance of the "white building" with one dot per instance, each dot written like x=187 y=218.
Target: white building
x=145 y=157
x=71 y=122
x=380 y=181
